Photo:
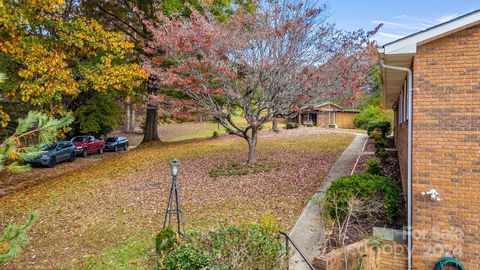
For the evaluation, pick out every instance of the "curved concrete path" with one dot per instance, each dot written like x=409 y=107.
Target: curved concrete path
x=308 y=231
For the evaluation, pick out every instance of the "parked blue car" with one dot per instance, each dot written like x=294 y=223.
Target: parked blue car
x=54 y=153
x=116 y=143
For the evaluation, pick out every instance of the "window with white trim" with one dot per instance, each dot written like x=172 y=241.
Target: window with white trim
x=405 y=102
x=400 y=108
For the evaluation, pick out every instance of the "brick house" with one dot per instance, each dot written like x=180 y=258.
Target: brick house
x=444 y=137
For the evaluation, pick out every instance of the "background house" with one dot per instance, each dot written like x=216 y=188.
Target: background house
x=445 y=137
x=326 y=115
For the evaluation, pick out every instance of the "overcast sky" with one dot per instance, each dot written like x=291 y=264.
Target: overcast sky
x=400 y=18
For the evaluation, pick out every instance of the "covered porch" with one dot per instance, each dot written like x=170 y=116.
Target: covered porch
x=326 y=115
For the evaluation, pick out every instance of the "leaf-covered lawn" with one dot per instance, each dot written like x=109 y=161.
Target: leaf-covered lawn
x=104 y=215
x=192 y=130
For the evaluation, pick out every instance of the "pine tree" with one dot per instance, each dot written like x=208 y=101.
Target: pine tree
x=14 y=153
x=13 y=238
x=15 y=150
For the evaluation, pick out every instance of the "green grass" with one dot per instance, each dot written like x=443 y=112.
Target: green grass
x=127 y=254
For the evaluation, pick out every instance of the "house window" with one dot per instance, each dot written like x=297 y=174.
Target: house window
x=403 y=104
x=406 y=102
x=400 y=108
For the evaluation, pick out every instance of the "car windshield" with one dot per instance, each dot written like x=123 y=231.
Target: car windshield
x=64 y=144
x=112 y=139
x=48 y=147
x=79 y=139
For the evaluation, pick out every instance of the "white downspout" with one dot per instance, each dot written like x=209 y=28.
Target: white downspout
x=409 y=155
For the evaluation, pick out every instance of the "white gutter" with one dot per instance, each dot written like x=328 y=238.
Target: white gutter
x=409 y=154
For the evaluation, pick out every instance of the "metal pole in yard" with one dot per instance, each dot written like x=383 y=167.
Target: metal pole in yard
x=174 y=192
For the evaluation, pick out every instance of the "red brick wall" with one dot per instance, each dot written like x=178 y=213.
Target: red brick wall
x=392 y=256
x=401 y=140
x=446 y=149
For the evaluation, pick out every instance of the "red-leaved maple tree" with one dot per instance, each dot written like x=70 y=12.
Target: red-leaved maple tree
x=257 y=65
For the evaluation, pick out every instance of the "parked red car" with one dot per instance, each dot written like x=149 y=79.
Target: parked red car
x=85 y=145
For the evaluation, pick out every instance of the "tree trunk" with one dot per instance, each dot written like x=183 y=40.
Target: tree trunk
x=133 y=120
x=252 y=147
x=151 y=122
x=275 y=124
x=126 y=121
x=151 y=125
x=129 y=126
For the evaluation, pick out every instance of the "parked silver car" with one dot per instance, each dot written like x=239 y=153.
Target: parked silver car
x=54 y=153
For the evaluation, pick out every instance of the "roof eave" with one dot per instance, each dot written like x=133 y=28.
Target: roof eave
x=409 y=44
x=401 y=52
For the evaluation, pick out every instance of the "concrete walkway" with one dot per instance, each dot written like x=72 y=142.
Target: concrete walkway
x=308 y=231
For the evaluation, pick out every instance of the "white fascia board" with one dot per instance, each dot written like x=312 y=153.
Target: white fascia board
x=406 y=49
x=408 y=45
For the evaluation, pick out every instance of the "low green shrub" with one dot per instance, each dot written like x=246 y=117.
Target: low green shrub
x=380 y=152
x=291 y=125
x=379 y=142
x=243 y=169
x=373 y=166
x=251 y=246
x=384 y=126
x=165 y=240
x=364 y=186
x=215 y=134
x=187 y=256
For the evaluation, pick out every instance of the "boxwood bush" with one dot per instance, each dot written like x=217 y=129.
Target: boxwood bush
x=365 y=186
x=379 y=142
x=251 y=246
x=384 y=126
x=291 y=125
x=373 y=166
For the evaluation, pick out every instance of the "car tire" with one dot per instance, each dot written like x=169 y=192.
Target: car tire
x=72 y=157
x=115 y=148
x=125 y=148
x=100 y=150
x=53 y=162
x=84 y=152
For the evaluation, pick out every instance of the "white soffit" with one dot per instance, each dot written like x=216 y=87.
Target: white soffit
x=408 y=45
x=401 y=52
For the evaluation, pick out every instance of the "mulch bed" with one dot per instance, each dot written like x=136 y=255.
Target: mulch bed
x=362 y=163
x=370 y=146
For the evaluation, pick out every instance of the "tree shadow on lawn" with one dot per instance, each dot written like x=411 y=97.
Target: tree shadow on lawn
x=105 y=217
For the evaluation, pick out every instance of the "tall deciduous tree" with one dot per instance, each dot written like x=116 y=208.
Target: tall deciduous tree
x=349 y=73
x=263 y=64
x=51 y=54
x=129 y=17
x=98 y=116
